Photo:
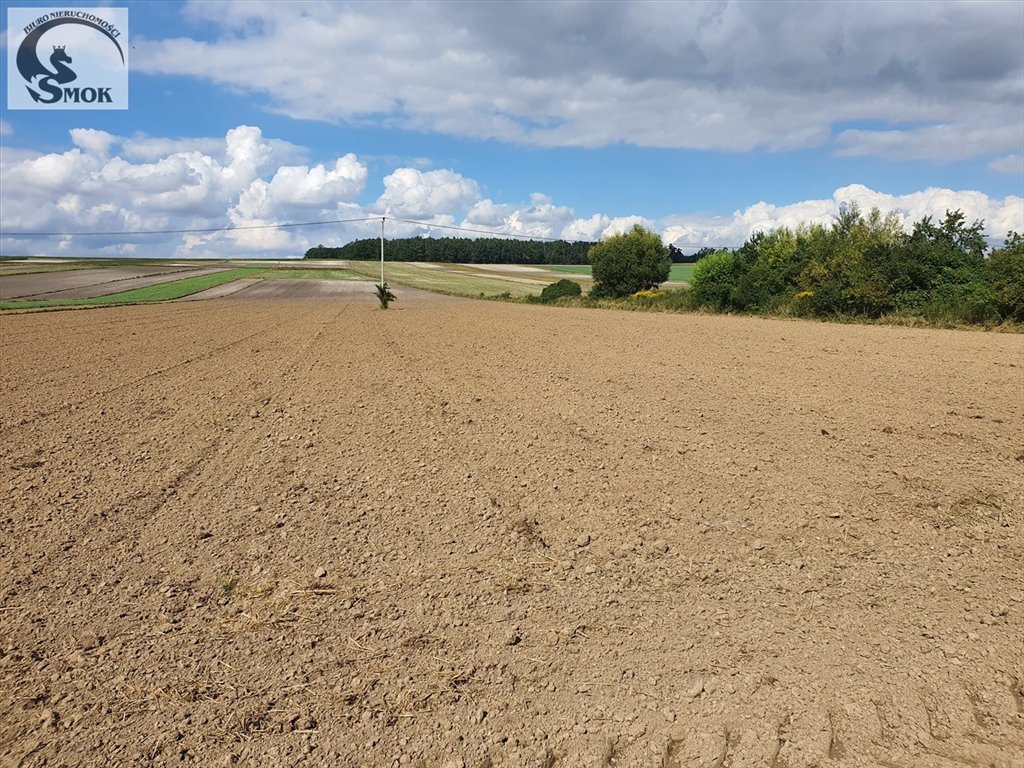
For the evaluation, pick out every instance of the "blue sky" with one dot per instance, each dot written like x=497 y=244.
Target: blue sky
x=705 y=121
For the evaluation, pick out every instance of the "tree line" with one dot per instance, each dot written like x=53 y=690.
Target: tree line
x=459 y=250
x=492 y=250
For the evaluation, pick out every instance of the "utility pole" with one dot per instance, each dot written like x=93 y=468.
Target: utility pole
x=382 y=250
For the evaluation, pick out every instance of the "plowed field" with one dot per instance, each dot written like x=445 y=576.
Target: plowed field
x=457 y=533
x=86 y=283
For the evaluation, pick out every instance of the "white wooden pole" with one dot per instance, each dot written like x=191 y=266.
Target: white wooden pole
x=382 y=250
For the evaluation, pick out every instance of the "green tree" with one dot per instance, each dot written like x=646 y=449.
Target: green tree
x=771 y=270
x=624 y=264
x=714 y=279
x=1005 y=268
x=841 y=263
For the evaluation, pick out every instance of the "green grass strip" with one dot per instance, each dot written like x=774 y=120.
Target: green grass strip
x=174 y=289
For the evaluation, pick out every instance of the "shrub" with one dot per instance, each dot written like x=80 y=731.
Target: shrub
x=678 y=300
x=672 y=300
x=627 y=263
x=1005 y=268
x=714 y=279
x=645 y=299
x=559 y=290
x=384 y=295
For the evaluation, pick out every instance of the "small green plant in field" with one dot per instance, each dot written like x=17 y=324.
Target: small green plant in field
x=560 y=289
x=229 y=585
x=384 y=295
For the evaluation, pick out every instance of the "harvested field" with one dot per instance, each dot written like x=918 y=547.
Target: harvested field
x=222 y=290
x=456 y=533
x=458 y=279
x=296 y=289
x=290 y=290
x=28 y=266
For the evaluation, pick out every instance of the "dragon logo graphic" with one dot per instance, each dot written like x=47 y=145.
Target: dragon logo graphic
x=51 y=82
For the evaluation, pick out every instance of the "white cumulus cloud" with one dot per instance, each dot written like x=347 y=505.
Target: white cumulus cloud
x=102 y=184
x=92 y=140
x=540 y=218
x=299 y=186
x=411 y=193
x=96 y=185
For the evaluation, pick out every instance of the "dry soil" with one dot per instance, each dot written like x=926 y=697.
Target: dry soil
x=476 y=534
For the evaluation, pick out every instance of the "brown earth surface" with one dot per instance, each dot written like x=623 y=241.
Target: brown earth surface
x=222 y=290
x=457 y=533
x=305 y=289
x=264 y=289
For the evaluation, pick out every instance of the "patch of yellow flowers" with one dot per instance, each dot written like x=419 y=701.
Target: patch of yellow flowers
x=646 y=294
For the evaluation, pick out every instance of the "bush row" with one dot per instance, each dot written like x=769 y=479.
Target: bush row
x=868 y=267
x=860 y=267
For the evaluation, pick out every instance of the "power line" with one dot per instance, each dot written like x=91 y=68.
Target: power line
x=185 y=231
x=199 y=230
x=291 y=225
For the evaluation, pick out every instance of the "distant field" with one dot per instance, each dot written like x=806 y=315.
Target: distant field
x=278 y=273
x=471 y=280
x=679 y=273
x=27 y=264
x=176 y=289
x=8 y=268
x=488 y=279
x=447 y=278
x=173 y=289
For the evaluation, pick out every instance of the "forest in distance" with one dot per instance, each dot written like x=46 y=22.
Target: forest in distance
x=483 y=250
